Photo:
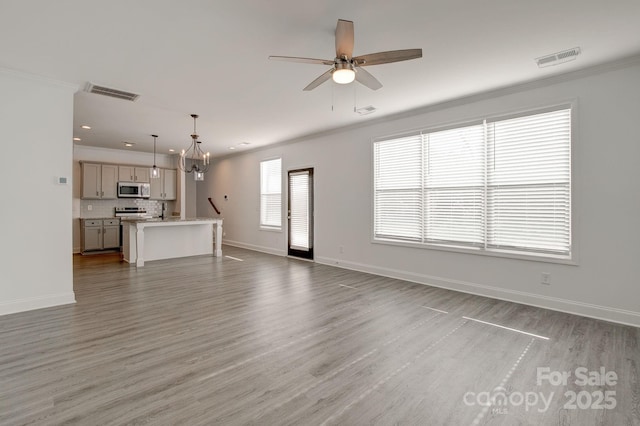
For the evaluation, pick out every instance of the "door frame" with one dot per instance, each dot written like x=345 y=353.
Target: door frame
x=303 y=254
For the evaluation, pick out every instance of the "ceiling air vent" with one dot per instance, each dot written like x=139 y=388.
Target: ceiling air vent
x=558 y=58
x=366 y=110
x=114 y=93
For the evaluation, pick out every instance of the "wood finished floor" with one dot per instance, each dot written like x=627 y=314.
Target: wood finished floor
x=277 y=341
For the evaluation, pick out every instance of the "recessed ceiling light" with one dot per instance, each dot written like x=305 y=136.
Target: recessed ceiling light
x=86 y=127
x=77 y=139
x=172 y=150
x=245 y=143
x=232 y=147
x=128 y=144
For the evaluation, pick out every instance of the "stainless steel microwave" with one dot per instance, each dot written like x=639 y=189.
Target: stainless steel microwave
x=134 y=190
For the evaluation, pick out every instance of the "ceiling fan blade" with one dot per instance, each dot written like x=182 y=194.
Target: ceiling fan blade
x=318 y=81
x=302 y=60
x=365 y=78
x=344 y=39
x=387 y=57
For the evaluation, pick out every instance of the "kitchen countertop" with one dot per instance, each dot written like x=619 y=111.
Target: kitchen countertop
x=168 y=219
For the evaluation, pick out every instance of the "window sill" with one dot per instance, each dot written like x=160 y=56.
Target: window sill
x=545 y=258
x=270 y=228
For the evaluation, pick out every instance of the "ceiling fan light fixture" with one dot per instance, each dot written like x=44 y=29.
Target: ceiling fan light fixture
x=344 y=76
x=345 y=64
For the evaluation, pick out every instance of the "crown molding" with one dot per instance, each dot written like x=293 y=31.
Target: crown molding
x=39 y=79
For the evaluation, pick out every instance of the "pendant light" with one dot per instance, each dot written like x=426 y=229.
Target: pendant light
x=193 y=159
x=154 y=172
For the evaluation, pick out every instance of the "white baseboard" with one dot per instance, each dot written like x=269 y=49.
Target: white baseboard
x=48 y=301
x=605 y=313
x=253 y=247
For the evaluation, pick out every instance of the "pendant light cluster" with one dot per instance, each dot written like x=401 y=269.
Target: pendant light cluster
x=193 y=159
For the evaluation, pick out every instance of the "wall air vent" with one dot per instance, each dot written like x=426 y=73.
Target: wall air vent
x=114 y=93
x=558 y=58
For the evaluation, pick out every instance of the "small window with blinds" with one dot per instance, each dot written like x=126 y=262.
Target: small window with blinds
x=502 y=184
x=271 y=194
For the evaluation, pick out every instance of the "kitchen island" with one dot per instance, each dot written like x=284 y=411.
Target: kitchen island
x=155 y=239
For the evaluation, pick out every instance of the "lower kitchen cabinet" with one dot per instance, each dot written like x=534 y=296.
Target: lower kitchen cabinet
x=91 y=235
x=100 y=234
x=110 y=236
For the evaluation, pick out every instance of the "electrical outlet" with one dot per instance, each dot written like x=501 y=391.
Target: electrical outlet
x=89 y=207
x=341 y=250
x=545 y=278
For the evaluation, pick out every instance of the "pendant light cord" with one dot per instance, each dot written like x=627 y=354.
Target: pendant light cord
x=154 y=149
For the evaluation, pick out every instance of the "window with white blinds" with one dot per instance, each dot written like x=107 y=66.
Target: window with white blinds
x=501 y=184
x=271 y=194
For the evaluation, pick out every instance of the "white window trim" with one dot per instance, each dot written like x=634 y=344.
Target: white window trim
x=572 y=259
x=547 y=258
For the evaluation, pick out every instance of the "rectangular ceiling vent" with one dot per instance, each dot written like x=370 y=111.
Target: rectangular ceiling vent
x=366 y=110
x=114 y=93
x=558 y=58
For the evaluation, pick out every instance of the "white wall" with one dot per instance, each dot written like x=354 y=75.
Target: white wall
x=36 y=121
x=603 y=284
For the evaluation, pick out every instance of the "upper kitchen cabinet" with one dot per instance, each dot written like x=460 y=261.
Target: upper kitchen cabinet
x=133 y=174
x=170 y=187
x=164 y=188
x=99 y=181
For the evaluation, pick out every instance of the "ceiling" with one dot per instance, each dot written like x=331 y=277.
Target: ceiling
x=210 y=58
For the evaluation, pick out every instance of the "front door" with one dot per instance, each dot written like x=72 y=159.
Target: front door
x=300 y=213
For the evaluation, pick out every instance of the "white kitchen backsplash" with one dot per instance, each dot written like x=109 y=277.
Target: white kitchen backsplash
x=94 y=209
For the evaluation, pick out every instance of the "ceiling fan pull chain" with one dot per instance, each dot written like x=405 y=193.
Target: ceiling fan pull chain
x=332 y=97
x=355 y=103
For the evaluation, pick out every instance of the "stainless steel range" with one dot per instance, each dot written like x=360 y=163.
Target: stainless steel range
x=130 y=212
x=134 y=212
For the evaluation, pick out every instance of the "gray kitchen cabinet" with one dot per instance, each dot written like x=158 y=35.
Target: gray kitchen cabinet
x=164 y=187
x=100 y=234
x=110 y=233
x=170 y=188
x=91 y=235
x=99 y=181
x=133 y=174
x=109 y=181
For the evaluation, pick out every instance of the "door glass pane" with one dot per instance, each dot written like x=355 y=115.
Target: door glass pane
x=299 y=193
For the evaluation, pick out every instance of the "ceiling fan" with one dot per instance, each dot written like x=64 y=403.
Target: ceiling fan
x=345 y=68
